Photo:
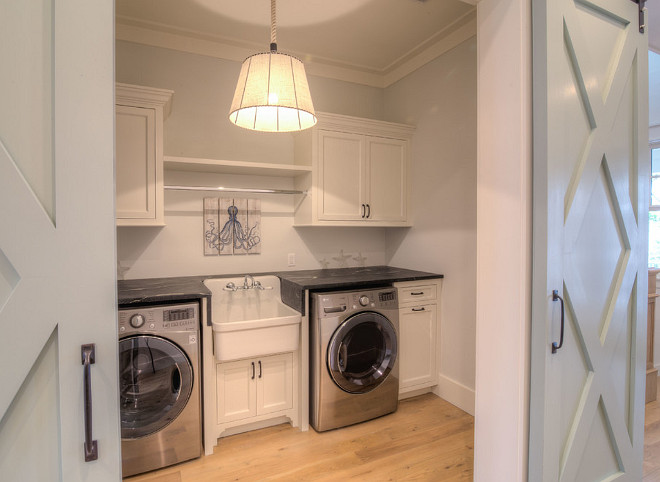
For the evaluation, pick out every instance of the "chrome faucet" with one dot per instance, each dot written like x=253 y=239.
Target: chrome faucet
x=247 y=286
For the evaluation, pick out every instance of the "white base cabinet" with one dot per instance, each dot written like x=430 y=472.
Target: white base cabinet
x=254 y=390
x=418 y=335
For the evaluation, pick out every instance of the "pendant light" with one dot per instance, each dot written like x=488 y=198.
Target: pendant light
x=272 y=94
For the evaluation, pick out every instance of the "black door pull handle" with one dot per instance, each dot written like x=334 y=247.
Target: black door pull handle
x=88 y=358
x=555 y=346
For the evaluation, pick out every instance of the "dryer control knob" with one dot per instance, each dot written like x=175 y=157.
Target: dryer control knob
x=137 y=320
x=364 y=300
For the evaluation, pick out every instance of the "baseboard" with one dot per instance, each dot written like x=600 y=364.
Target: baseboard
x=455 y=393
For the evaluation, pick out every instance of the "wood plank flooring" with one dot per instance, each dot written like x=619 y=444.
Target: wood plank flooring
x=426 y=439
x=652 y=441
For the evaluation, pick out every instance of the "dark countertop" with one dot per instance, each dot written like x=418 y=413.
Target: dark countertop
x=294 y=283
x=158 y=290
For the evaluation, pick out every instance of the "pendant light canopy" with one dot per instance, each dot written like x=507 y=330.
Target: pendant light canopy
x=272 y=93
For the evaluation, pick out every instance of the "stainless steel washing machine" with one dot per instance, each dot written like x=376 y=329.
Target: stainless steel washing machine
x=354 y=372
x=159 y=387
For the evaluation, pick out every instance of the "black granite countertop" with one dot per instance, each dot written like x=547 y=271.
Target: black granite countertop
x=294 y=283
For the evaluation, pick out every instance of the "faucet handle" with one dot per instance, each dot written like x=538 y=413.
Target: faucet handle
x=230 y=287
x=259 y=286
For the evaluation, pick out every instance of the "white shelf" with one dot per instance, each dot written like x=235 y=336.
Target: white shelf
x=233 y=167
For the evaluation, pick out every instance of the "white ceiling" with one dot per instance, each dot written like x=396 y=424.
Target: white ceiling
x=373 y=42
x=368 y=41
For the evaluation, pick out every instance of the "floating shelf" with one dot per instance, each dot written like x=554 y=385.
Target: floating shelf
x=234 y=167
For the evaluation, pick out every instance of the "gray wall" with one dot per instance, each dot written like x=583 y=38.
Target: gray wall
x=440 y=99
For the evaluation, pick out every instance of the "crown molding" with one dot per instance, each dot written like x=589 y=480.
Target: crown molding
x=164 y=36
x=451 y=37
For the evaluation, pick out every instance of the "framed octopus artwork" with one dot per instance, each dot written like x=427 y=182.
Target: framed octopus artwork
x=232 y=226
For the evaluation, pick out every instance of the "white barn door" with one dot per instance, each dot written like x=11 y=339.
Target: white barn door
x=57 y=239
x=591 y=171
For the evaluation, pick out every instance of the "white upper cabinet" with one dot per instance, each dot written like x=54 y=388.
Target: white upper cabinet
x=140 y=112
x=360 y=172
x=387 y=179
x=342 y=168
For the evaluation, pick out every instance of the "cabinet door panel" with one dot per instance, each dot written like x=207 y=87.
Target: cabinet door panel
x=235 y=390
x=417 y=333
x=342 y=168
x=387 y=182
x=275 y=384
x=136 y=162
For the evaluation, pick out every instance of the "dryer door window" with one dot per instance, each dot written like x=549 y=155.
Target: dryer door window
x=362 y=352
x=155 y=382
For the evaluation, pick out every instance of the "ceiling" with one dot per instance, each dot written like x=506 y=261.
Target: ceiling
x=374 y=42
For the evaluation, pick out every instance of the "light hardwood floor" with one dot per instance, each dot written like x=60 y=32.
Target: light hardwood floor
x=652 y=441
x=426 y=439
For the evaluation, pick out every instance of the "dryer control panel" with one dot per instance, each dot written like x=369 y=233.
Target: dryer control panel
x=162 y=318
x=345 y=302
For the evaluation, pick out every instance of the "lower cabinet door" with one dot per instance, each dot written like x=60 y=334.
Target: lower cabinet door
x=274 y=383
x=236 y=390
x=417 y=336
x=254 y=387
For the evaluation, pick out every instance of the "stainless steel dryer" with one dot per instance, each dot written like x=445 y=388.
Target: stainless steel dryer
x=353 y=356
x=159 y=394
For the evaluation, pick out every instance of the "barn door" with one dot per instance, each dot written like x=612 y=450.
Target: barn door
x=57 y=248
x=590 y=240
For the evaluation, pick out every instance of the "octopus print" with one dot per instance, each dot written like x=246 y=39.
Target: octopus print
x=232 y=226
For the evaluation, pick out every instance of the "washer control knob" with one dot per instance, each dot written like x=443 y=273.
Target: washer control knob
x=137 y=320
x=364 y=300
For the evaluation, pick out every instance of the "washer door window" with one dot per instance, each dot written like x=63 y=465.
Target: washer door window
x=362 y=352
x=155 y=382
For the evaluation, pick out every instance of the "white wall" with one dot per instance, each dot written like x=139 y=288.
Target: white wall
x=441 y=100
x=504 y=197
x=198 y=127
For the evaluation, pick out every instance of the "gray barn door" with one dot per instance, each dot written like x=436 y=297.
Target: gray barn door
x=57 y=248
x=590 y=240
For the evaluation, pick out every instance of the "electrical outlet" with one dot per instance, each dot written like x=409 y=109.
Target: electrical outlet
x=291 y=259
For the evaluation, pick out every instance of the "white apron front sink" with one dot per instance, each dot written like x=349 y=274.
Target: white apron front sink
x=251 y=322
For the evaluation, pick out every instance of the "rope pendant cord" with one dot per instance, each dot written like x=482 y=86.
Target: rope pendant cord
x=273 y=26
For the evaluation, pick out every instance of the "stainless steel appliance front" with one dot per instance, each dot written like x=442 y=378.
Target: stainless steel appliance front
x=159 y=399
x=353 y=356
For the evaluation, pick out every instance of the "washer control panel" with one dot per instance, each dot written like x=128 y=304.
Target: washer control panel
x=343 y=302
x=162 y=318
